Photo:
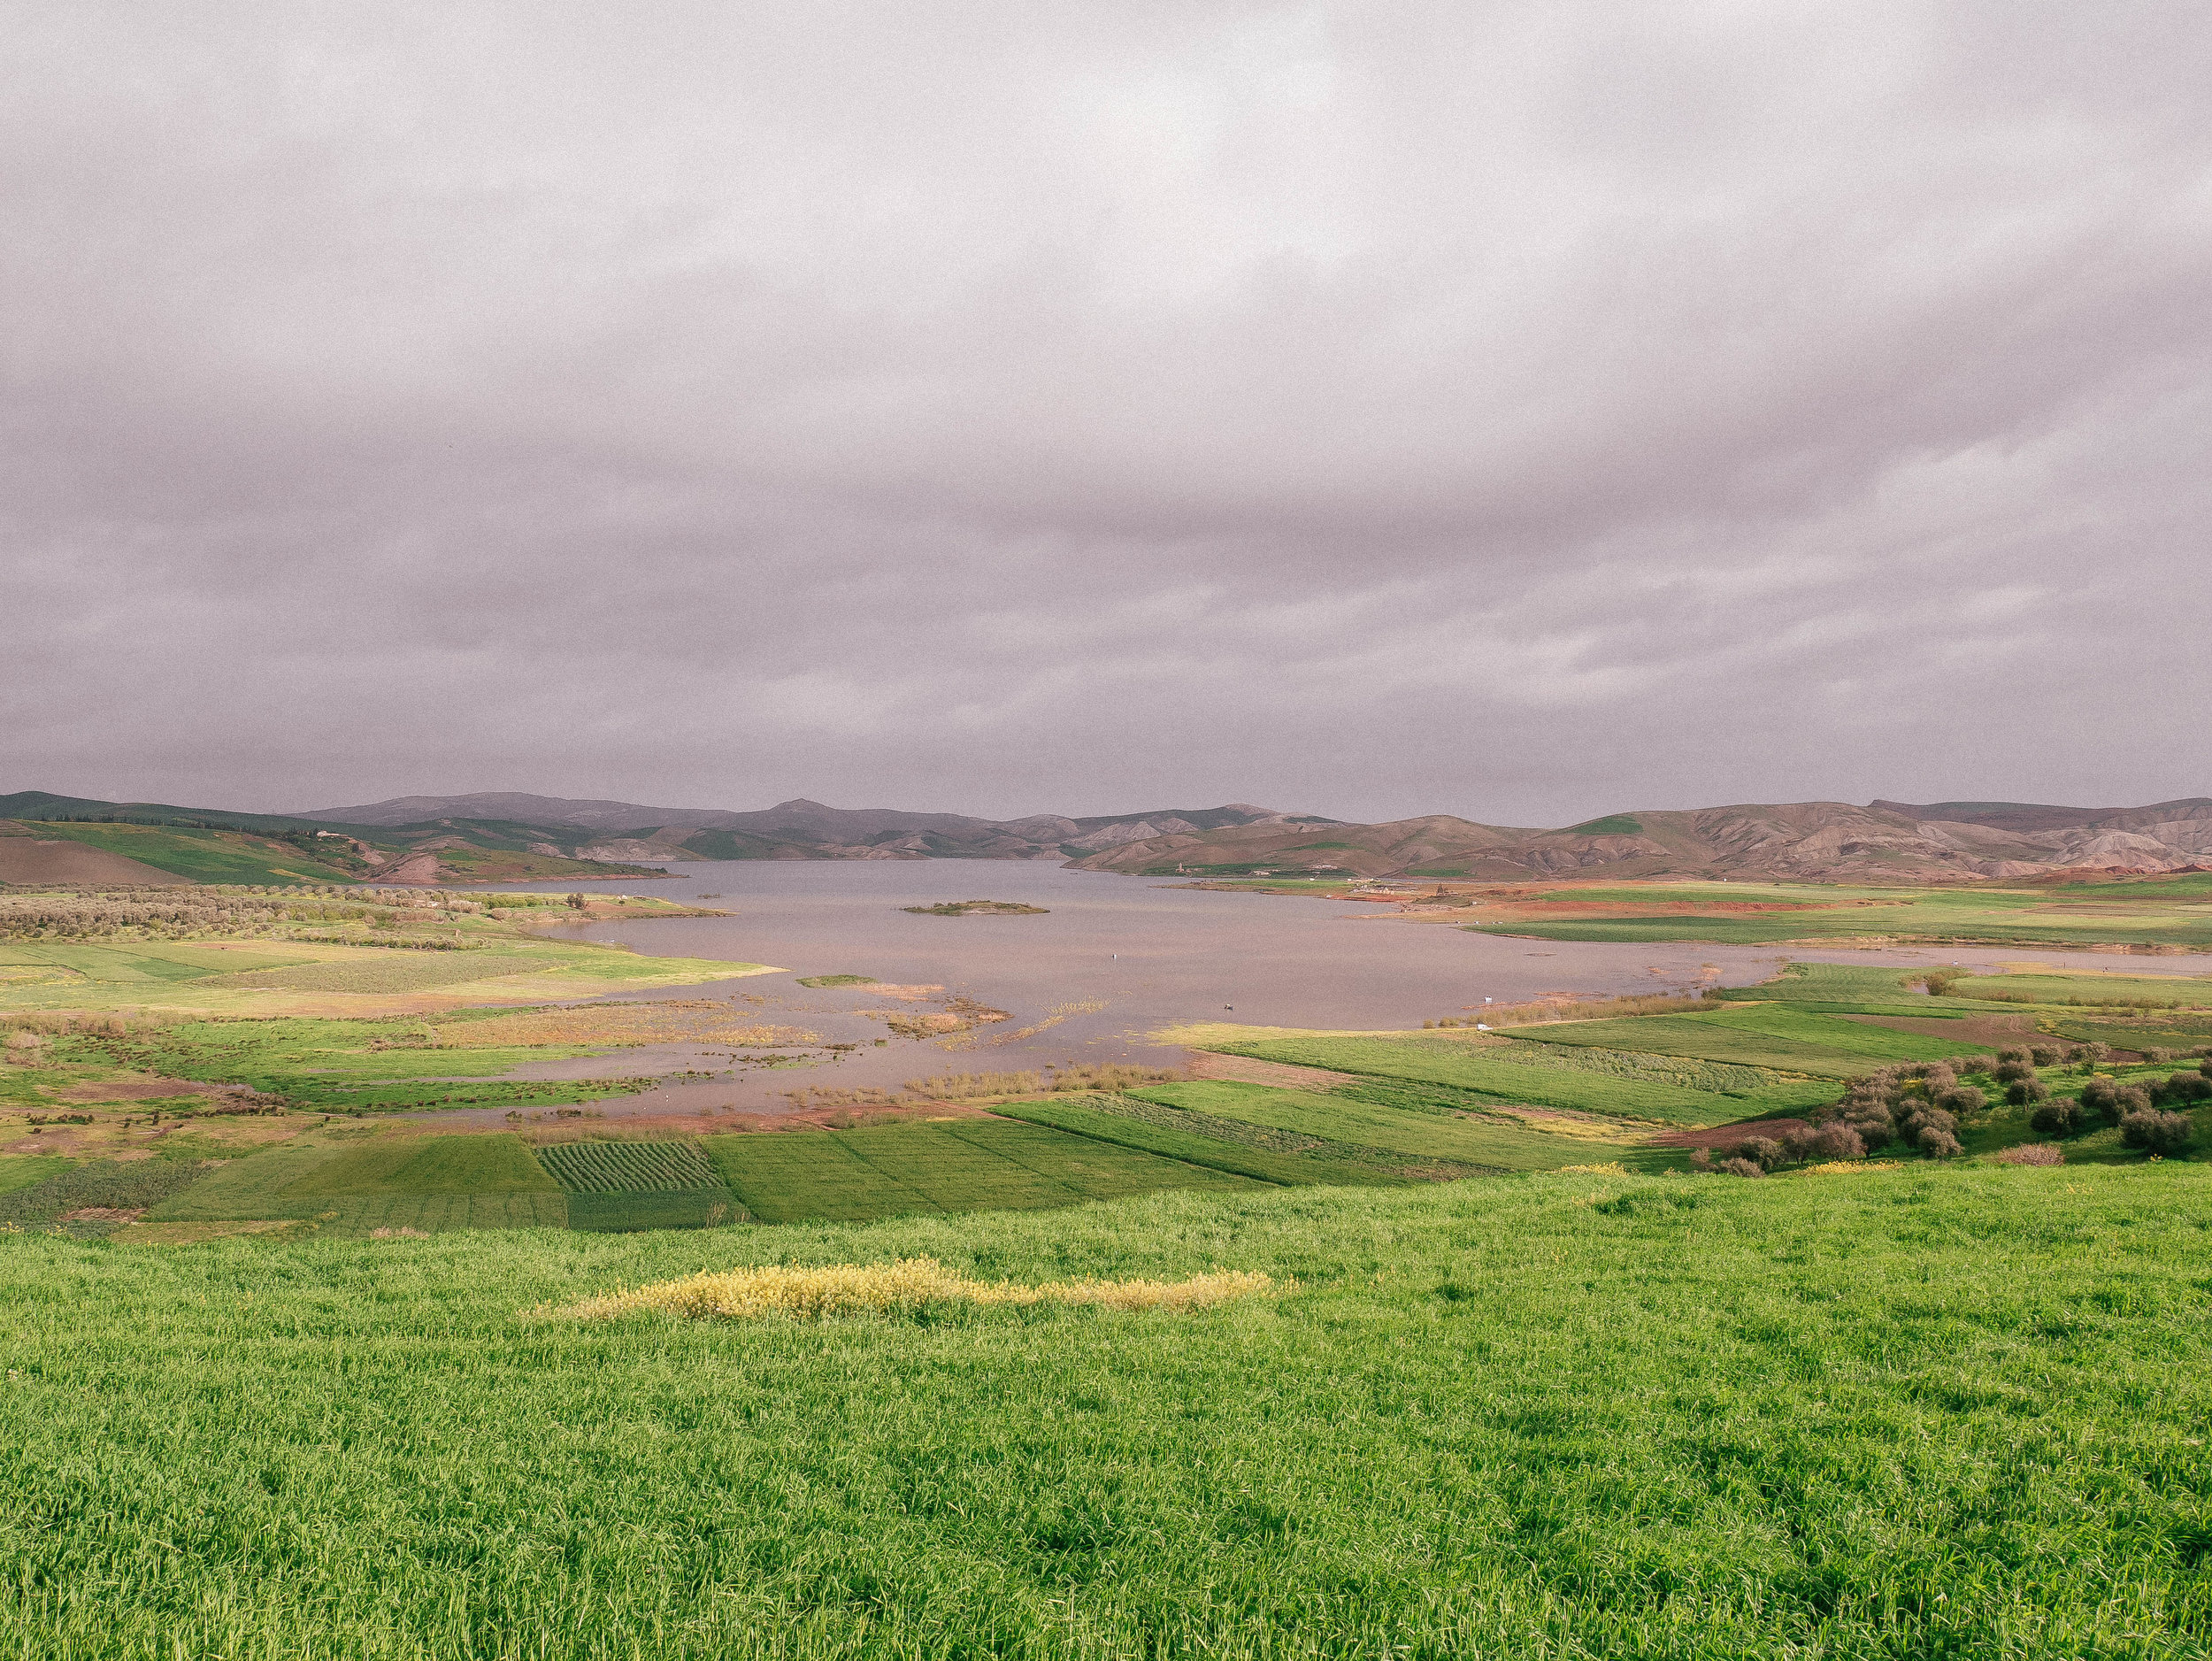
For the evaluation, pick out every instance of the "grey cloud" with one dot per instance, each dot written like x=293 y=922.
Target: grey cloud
x=1518 y=411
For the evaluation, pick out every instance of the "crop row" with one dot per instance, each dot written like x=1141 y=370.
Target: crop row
x=629 y=1167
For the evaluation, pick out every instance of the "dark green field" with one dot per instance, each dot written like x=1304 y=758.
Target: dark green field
x=1900 y=1414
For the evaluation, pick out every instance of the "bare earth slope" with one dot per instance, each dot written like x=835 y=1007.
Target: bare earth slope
x=29 y=859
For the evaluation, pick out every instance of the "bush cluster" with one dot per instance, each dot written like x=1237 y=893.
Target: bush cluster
x=1920 y=1106
x=168 y=913
x=1801 y=1144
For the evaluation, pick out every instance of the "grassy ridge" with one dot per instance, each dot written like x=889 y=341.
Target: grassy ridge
x=1898 y=1414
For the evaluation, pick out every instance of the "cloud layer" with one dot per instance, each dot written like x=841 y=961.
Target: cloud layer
x=1516 y=411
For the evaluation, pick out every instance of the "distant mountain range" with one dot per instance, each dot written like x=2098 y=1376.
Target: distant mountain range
x=801 y=829
x=1886 y=842
x=506 y=835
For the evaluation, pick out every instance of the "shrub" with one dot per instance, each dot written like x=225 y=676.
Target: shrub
x=2026 y=1092
x=1962 y=1101
x=1922 y=1118
x=2102 y=1098
x=1763 y=1151
x=1742 y=1168
x=2178 y=1089
x=2064 y=1117
x=1835 y=1141
x=2046 y=1055
x=2032 y=1153
x=2090 y=1054
x=1938 y=1144
x=2013 y=1073
x=2157 y=1133
x=2205 y=1066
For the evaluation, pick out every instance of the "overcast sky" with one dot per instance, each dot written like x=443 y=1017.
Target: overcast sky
x=1520 y=412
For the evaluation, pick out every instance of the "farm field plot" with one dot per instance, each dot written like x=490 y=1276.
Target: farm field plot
x=1903 y=1413
x=499 y=1162
x=626 y=1167
x=793 y=1176
x=895 y=1171
x=93 y=1186
x=1786 y=1039
x=1085 y=1169
x=202 y=854
x=1214 y=1145
x=2173 y=992
x=1499 y=1146
x=438 y=1214
x=1469 y=1067
x=2169 y=914
x=1830 y=1030
x=346 y=1065
x=632 y=1211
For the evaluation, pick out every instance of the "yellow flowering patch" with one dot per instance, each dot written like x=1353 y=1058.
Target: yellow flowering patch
x=904 y=1287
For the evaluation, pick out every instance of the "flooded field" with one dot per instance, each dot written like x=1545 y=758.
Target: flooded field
x=1089 y=980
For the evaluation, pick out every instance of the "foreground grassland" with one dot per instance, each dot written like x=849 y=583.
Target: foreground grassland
x=1900 y=1413
x=2156 y=914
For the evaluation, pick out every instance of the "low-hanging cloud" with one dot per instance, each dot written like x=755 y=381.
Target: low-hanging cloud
x=1516 y=411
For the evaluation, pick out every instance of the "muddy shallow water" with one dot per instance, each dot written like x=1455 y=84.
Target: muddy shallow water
x=1114 y=959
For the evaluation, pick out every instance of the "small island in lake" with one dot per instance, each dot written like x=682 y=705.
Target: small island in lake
x=978 y=908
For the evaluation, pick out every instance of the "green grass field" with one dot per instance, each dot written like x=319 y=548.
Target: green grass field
x=207 y=855
x=1480 y=1070
x=1191 y=1139
x=2170 y=915
x=1899 y=1414
x=1785 y=1039
x=499 y=1162
x=1495 y=1144
x=959 y=1166
x=628 y=1167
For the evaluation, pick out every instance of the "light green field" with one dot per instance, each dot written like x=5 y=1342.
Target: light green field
x=1899 y=1414
x=1798 y=1041
x=1473 y=1067
x=2165 y=915
x=497 y=1162
x=2179 y=992
x=20 y=1171
x=1500 y=1146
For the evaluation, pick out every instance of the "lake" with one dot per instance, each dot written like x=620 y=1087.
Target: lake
x=1114 y=959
